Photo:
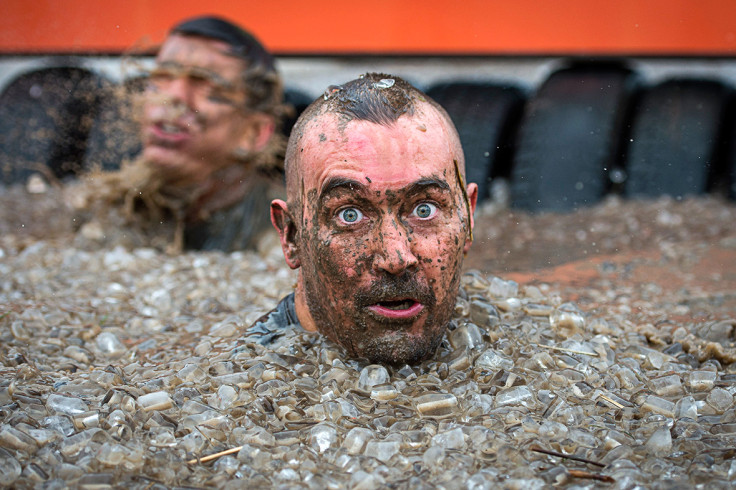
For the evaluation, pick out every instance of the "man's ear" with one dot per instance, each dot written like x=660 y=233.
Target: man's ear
x=472 y=201
x=258 y=132
x=286 y=227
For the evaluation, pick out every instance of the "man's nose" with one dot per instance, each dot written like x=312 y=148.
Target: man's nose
x=393 y=252
x=178 y=90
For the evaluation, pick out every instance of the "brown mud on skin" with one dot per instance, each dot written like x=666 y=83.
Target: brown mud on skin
x=331 y=282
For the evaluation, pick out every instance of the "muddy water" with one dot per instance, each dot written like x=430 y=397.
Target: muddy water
x=594 y=349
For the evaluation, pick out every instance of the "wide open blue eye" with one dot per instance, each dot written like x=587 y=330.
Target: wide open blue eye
x=350 y=215
x=425 y=210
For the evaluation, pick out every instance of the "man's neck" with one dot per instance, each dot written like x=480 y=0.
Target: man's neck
x=302 y=309
x=221 y=190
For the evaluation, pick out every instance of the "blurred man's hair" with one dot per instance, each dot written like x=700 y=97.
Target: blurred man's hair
x=262 y=81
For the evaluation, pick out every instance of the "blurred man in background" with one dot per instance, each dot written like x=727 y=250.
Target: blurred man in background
x=212 y=153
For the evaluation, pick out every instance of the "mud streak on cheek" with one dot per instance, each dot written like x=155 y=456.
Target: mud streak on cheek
x=330 y=253
x=466 y=199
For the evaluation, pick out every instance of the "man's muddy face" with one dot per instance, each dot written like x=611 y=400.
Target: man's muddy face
x=194 y=109
x=384 y=227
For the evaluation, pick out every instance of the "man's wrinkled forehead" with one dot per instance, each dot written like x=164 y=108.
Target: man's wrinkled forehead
x=330 y=136
x=374 y=175
x=201 y=54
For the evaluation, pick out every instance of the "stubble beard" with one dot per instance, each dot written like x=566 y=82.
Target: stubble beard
x=382 y=340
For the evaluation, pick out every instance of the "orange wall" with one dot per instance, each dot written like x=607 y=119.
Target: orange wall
x=667 y=27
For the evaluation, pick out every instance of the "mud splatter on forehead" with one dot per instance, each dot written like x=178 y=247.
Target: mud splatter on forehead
x=374 y=97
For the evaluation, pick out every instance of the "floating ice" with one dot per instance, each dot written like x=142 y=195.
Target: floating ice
x=384 y=83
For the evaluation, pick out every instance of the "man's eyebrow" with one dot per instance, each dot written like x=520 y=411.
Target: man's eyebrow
x=195 y=70
x=423 y=185
x=420 y=186
x=334 y=184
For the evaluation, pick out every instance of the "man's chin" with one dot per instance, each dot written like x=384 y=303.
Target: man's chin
x=169 y=164
x=162 y=156
x=398 y=348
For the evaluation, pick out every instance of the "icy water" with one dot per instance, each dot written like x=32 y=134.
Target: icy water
x=131 y=368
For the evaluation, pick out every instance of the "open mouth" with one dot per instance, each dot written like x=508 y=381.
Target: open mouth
x=168 y=128
x=404 y=308
x=167 y=134
x=401 y=304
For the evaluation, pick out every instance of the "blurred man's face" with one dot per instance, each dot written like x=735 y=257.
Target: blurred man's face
x=194 y=109
x=384 y=227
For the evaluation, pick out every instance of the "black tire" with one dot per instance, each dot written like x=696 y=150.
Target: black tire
x=298 y=101
x=675 y=139
x=731 y=177
x=115 y=133
x=45 y=118
x=725 y=181
x=570 y=137
x=486 y=116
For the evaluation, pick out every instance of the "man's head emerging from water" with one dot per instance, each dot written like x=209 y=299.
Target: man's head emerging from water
x=378 y=218
x=213 y=99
